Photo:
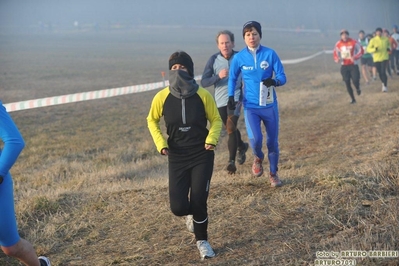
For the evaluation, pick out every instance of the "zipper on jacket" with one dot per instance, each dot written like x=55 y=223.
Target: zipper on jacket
x=253 y=52
x=183 y=110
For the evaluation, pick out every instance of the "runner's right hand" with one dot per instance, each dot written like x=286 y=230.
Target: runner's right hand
x=165 y=151
x=223 y=73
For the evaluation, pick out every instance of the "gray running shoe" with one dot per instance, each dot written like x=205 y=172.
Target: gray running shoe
x=205 y=249
x=384 y=88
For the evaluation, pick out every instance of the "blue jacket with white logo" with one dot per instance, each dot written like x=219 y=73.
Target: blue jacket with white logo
x=255 y=66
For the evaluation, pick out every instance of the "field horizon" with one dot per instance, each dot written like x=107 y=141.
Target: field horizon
x=91 y=189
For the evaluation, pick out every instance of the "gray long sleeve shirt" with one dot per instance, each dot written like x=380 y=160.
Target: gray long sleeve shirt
x=210 y=76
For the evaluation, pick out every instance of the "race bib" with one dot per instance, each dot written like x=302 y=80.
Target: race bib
x=346 y=54
x=266 y=95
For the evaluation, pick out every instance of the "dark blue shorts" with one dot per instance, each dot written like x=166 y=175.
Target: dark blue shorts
x=368 y=61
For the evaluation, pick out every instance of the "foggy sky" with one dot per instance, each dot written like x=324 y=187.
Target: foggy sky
x=312 y=14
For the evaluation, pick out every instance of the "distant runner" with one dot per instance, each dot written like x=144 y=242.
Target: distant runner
x=379 y=46
x=395 y=53
x=348 y=51
x=366 y=59
x=391 y=51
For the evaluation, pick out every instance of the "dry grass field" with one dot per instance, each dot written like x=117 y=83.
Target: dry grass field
x=91 y=189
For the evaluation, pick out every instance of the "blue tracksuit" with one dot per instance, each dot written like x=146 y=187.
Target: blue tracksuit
x=13 y=145
x=255 y=66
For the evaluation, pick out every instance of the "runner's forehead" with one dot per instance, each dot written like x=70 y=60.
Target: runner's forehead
x=224 y=38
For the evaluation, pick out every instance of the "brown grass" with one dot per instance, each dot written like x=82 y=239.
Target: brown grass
x=91 y=190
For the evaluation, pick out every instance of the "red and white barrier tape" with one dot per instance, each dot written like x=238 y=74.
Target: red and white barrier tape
x=107 y=93
x=82 y=96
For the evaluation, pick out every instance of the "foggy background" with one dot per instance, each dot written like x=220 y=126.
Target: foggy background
x=56 y=47
x=324 y=15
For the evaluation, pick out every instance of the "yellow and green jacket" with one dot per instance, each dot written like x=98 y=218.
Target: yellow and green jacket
x=186 y=122
x=378 y=46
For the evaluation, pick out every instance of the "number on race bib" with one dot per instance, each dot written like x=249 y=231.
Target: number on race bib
x=266 y=95
x=345 y=54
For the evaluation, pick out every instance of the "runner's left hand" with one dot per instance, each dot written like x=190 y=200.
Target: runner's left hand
x=269 y=82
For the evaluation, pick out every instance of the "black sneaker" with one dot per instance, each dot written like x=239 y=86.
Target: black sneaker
x=231 y=167
x=359 y=92
x=241 y=157
x=353 y=101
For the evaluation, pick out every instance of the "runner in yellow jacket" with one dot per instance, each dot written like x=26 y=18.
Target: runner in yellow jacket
x=379 y=46
x=187 y=108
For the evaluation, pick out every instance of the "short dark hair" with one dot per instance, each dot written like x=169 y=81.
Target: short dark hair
x=226 y=32
x=250 y=26
x=361 y=31
x=344 y=31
